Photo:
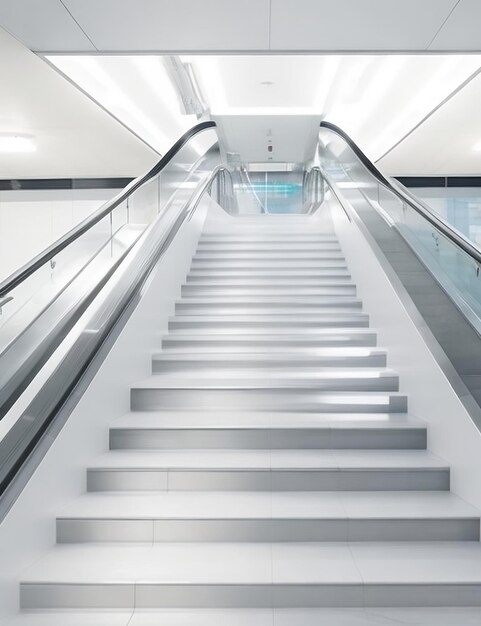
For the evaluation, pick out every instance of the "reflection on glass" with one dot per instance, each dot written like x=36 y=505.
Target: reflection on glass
x=457 y=270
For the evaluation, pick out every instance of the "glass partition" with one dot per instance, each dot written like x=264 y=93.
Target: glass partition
x=454 y=267
x=40 y=301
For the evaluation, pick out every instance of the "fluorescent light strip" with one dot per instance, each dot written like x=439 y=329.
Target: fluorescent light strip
x=16 y=144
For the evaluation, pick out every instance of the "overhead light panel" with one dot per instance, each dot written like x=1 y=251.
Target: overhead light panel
x=17 y=143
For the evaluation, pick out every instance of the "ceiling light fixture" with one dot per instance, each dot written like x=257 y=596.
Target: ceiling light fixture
x=17 y=143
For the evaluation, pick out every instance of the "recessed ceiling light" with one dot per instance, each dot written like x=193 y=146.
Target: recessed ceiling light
x=266 y=83
x=17 y=143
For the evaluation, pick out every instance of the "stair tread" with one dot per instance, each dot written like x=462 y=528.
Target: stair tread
x=265 y=505
x=445 y=616
x=320 y=352
x=267 y=320
x=300 y=333
x=246 y=284
x=268 y=459
x=268 y=300
x=282 y=563
x=259 y=420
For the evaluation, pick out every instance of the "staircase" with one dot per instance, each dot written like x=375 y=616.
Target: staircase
x=269 y=464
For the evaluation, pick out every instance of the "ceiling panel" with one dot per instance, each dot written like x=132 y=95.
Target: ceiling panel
x=356 y=24
x=249 y=26
x=448 y=143
x=463 y=29
x=162 y=25
x=43 y=25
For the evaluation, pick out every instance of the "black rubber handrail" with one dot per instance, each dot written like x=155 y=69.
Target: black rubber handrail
x=456 y=238
x=49 y=253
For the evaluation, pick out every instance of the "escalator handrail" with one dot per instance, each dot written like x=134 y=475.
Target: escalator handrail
x=457 y=238
x=49 y=253
x=61 y=386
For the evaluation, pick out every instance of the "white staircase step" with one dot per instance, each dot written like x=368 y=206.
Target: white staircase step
x=224 y=430
x=265 y=323
x=268 y=517
x=263 y=246
x=326 y=379
x=291 y=301
x=292 y=306
x=267 y=238
x=268 y=470
x=323 y=357
x=264 y=399
x=191 y=575
x=259 y=257
x=309 y=340
x=260 y=283
x=199 y=291
x=425 y=616
x=277 y=265
x=271 y=276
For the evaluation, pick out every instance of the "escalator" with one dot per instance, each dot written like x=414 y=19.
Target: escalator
x=216 y=413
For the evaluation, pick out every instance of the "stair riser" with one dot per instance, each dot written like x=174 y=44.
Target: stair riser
x=258 y=258
x=267 y=480
x=264 y=530
x=157 y=595
x=262 y=308
x=310 y=365
x=271 y=267
x=277 y=283
x=261 y=343
x=281 y=400
x=266 y=240
x=264 y=246
x=198 y=291
x=266 y=237
x=227 y=327
x=270 y=438
x=268 y=266
x=266 y=278
x=285 y=384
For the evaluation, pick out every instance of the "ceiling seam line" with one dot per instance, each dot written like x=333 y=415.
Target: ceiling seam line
x=451 y=95
x=71 y=15
x=99 y=104
x=442 y=25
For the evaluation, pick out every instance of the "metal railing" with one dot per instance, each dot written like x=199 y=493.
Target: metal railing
x=402 y=194
x=49 y=253
x=120 y=293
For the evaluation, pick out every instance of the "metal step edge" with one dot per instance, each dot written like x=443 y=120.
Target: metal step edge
x=150 y=595
x=157 y=528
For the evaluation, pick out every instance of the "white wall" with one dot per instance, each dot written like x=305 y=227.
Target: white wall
x=32 y=220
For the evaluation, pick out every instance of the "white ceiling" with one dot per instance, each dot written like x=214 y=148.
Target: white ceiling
x=377 y=99
x=249 y=26
x=448 y=143
x=73 y=137
x=135 y=89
